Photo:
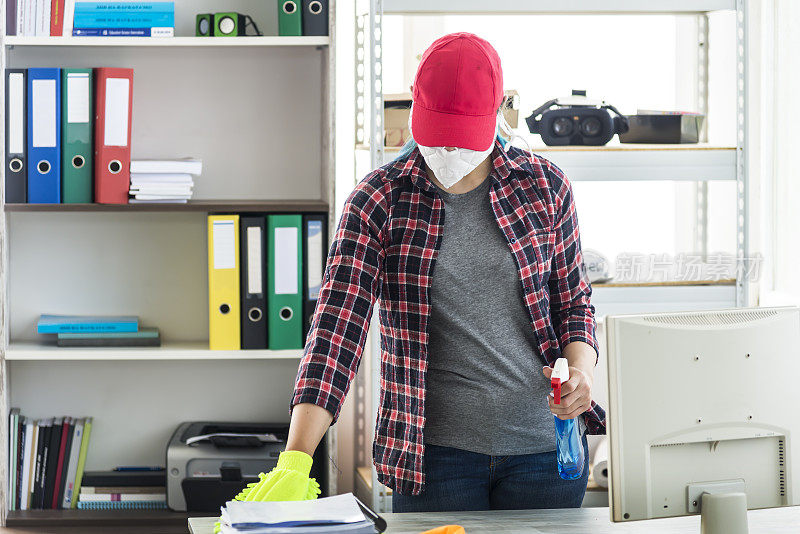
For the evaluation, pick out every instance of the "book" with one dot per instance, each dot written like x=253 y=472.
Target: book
x=52 y=462
x=84 y=8
x=57 y=18
x=45 y=429
x=87 y=431
x=69 y=13
x=54 y=324
x=78 y=31
x=20 y=449
x=30 y=458
x=125 y=478
x=124 y=19
x=75 y=449
x=100 y=490
x=63 y=463
x=11 y=17
x=142 y=178
x=112 y=497
x=183 y=166
x=145 y=337
x=123 y=505
x=13 y=415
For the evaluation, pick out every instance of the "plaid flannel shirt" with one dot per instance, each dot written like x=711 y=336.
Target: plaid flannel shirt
x=385 y=248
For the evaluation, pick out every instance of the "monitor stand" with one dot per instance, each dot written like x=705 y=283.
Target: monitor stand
x=723 y=513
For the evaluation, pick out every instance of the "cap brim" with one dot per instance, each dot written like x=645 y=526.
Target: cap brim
x=434 y=128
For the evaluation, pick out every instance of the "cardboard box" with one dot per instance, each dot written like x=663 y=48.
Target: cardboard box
x=396 y=108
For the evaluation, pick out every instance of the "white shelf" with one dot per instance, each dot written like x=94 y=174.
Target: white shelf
x=503 y=7
x=187 y=350
x=634 y=162
x=623 y=300
x=268 y=40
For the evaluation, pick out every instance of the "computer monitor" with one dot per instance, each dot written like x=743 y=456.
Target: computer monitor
x=703 y=403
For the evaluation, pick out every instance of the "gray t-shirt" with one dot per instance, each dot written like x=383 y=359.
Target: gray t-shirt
x=485 y=389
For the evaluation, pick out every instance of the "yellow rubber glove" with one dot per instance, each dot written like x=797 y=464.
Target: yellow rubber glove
x=288 y=481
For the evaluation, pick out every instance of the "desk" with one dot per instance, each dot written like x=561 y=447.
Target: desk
x=571 y=520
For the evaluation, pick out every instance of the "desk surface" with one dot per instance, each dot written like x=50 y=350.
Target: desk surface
x=573 y=520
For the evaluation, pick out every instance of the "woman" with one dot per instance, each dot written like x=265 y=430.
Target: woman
x=473 y=250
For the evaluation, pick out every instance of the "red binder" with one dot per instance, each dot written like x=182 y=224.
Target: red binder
x=112 y=149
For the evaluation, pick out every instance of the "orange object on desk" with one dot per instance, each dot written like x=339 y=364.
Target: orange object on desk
x=447 y=529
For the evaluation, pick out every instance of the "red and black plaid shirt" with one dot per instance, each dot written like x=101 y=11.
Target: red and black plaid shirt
x=385 y=248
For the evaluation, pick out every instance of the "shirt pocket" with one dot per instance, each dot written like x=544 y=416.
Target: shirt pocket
x=534 y=254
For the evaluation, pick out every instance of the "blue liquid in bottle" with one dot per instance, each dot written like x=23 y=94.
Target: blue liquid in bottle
x=569 y=449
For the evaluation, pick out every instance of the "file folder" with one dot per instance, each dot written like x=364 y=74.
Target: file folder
x=44 y=136
x=16 y=137
x=223 y=282
x=254 y=293
x=315 y=17
x=112 y=153
x=315 y=255
x=289 y=17
x=284 y=287
x=76 y=136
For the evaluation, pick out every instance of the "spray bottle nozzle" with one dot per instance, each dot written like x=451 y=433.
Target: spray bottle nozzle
x=559 y=375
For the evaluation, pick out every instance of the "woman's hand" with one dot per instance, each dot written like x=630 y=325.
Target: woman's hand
x=576 y=393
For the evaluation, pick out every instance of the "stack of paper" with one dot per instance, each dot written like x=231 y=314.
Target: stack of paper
x=163 y=181
x=329 y=515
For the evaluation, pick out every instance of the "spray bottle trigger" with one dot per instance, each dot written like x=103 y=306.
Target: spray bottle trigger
x=555 y=383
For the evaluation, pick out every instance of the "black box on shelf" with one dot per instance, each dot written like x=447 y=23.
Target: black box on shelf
x=663 y=127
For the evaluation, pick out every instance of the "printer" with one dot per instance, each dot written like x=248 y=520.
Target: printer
x=208 y=463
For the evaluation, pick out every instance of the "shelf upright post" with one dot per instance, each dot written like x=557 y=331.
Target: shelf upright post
x=743 y=260
x=4 y=336
x=701 y=102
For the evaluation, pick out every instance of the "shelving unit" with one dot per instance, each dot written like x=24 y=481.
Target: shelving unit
x=259 y=112
x=699 y=163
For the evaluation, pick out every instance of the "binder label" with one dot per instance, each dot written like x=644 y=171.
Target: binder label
x=117 y=98
x=224 y=235
x=78 y=97
x=286 y=281
x=16 y=111
x=254 y=281
x=44 y=113
x=315 y=267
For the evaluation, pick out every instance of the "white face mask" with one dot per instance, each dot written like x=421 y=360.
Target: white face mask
x=450 y=166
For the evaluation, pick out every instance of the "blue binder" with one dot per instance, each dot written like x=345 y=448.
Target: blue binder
x=44 y=136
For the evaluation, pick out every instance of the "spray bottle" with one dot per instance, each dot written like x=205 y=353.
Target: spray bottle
x=569 y=449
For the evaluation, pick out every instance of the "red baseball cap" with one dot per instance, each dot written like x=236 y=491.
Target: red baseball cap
x=456 y=93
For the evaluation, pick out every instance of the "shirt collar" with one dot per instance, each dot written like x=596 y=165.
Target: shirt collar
x=414 y=167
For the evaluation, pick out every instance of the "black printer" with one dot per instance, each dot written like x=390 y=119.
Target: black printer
x=208 y=463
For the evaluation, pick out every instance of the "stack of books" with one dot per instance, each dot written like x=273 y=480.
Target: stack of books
x=340 y=513
x=163 y=181
x=47 y=458
x=124 y=19
x=92 y=331
x=123 y=489
x=57 y=18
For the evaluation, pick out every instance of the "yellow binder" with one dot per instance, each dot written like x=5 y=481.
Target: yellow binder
x=223 y=283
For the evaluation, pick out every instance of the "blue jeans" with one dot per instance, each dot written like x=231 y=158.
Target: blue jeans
x=461 y=480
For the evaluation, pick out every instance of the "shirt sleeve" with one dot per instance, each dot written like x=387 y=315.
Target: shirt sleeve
x=339 y=327
x=570 y=291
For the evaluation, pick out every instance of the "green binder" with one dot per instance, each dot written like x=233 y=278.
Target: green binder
x=284 y=282
x=77 y=120
x=289 y=17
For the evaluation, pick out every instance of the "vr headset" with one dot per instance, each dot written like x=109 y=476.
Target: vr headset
x=576 y=121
